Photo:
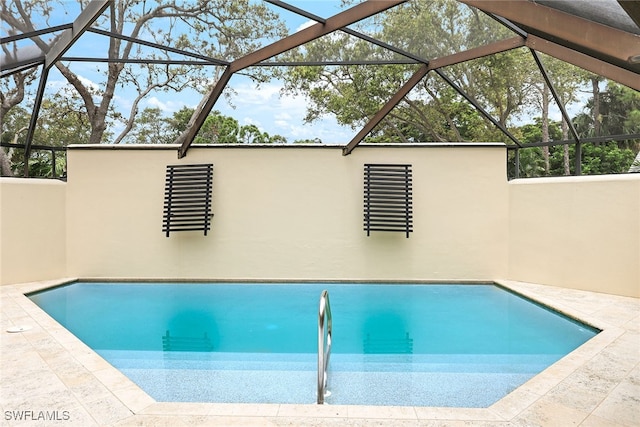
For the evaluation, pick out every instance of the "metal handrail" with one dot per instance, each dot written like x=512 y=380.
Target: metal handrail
x=323 y=353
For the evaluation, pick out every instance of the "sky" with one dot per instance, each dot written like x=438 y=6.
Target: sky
x=263 y=106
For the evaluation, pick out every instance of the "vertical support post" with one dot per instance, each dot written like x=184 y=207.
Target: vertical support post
x=34 y=118
x=53 y=163
x=578 y=160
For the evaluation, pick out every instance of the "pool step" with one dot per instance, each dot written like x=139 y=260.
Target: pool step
x=339 y=362
x=416 y=380
x=346 y=387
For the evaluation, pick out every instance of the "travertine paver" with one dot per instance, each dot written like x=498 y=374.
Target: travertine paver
x=47 y=372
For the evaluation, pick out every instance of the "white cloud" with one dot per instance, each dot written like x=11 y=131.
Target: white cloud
x=122 y=103
x=283 y=115
x=167 y=107
x=89 y=83
x=307 y=24
x=250 y=121
x=249 y=95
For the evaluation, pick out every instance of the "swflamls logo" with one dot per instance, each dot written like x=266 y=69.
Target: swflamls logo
x=31 y=415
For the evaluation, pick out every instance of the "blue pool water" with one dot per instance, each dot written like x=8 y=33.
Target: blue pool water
x=393 y=344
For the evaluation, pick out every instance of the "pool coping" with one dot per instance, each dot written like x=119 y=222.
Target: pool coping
x=96 y=393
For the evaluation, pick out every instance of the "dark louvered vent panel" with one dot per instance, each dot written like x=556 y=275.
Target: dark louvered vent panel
x=388 y=198
x=187 y=198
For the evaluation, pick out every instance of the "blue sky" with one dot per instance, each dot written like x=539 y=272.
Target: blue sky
x=263 y=106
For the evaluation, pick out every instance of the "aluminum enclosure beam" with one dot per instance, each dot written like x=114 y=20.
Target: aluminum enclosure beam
x=587 y=36
x=563 y=111
x=349 y=31
x=93 y=10
x=632 y=7
x=386 y=109
x=30 y=34
x=336 y=22
x=434 y=64
x=477 y=52
x=589 y=63
x=157 y=46
x=555 y=95
x=478 y=107
x=90 y=13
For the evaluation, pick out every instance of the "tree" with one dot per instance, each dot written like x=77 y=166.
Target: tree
x=150 y=128
x=616 y=112
x=12 y=93
x=619 y=111
x=433 y=111
x=566 y=80
x=605 y=158
x=534 y=160
x=153 y=128
x=60 y=123
x=217 y=29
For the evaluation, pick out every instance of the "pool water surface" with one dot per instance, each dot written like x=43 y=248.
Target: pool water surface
x=393 y=344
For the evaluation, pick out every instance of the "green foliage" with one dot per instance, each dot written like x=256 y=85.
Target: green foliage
x=597 y=159
x=308 y=141
x=59 y=127
x=432 y=111
x=532 y=132
x=153 y=128
x=41 y=164
x=215 y=28
x=531 y=162
x=59 y=124
x=150 y=128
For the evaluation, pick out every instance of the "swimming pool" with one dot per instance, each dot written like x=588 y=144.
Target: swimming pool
x=393 y=344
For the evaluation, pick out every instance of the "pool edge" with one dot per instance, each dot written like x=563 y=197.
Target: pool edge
x=510 y=406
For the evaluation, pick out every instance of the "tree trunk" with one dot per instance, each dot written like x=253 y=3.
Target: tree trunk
x=5 y=164
x=545 y=128
x=597 y=123
x=565 y=136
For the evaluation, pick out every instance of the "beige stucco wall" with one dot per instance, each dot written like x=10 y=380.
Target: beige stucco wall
x=292 y=212
x=576 y=232
x=32 y=230
x=295 y=212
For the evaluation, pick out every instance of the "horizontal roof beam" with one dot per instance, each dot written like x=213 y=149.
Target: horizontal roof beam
x=349 y=31
x=433 y=64
x=577 y=32
x=338 y=63
x=90 y=13
x=157 y=46
x=336 y=22
x=140 y=61
x=386 y=109
x=477 y=52
x=590 y=140
x=36 y=33
x=589 y=63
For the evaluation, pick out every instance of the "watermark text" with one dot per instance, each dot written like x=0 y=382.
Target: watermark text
x=31 y=415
